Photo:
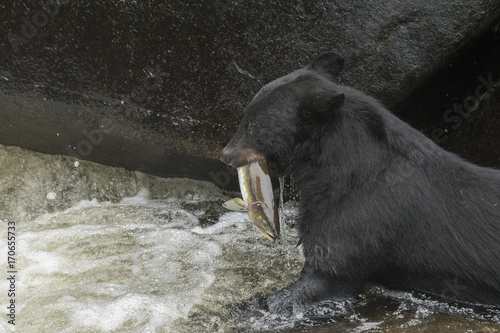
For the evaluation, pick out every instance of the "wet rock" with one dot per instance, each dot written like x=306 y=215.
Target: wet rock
x=459 y=107
x=160 y=86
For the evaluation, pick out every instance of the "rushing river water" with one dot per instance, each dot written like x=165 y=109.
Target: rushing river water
x=101 y=249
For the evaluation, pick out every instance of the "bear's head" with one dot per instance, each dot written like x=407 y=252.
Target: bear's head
x=285 y=112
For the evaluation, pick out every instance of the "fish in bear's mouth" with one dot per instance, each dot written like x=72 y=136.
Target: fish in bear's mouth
x=258 y=199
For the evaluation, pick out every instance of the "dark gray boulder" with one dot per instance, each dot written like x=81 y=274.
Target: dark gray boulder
x=160 y=86
x=459 y=106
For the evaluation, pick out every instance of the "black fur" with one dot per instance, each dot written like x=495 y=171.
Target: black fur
x=379 y=200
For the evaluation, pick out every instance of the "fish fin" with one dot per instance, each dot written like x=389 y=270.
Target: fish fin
x=236 y=204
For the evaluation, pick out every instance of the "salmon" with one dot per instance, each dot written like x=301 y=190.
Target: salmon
x=258 y=199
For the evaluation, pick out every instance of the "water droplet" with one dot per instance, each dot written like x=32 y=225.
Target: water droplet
x=51 y=196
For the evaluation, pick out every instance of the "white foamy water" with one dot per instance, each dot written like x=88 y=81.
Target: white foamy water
x=111 y=267
x=102 y=249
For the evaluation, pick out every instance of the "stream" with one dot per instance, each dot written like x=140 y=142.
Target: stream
x=103 y=249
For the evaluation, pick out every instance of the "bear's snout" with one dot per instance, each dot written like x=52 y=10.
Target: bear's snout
x=226 y=155
x=237 y=157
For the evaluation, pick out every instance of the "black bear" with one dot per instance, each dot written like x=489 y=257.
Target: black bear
x=379 y=201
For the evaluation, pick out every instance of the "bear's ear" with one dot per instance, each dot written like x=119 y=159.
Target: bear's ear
x=336 y=102
x=320 y=105
x=329 y=64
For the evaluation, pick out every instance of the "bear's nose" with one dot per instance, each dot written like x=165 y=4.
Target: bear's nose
x=227 y=155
